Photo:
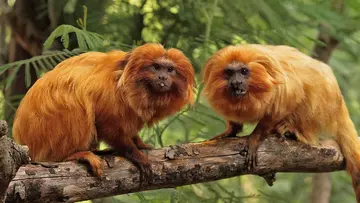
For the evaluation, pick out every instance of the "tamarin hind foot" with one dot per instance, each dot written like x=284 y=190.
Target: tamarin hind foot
x=94 y=161
x=288 y=130
x=130 y=149
x=131 y=153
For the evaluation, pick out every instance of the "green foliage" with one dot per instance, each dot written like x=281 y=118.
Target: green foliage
x=41 y=64
x=86 y=40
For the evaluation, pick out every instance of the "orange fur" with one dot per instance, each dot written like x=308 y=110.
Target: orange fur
x=288 y=90
x=97 y=97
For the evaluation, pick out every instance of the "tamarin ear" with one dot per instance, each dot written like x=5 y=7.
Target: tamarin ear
x=123 y=62
x=207 y=69
x=121 y=67
x=274 y=68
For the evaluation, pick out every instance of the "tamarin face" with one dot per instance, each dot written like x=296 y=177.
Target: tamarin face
x=239 y=82
x=161 y=75
x=237 y=75
x=156 y=78
x=154 y=70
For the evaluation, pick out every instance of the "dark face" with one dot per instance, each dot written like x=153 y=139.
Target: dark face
x=237 y=75
x=163 y=72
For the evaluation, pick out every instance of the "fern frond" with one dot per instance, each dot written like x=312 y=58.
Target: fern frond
x=12 y=76
x=41 y=63
x=86 y=40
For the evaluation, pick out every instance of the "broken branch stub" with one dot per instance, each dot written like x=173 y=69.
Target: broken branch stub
x=12 y=156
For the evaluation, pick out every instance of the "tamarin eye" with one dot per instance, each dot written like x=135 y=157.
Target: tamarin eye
x=244 y=71
x=156 y=66
x=170 y=69
x=229 y=72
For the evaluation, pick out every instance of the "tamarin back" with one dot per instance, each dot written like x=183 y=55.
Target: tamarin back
x=89 y=98
x=284 y=90
x=63 y=101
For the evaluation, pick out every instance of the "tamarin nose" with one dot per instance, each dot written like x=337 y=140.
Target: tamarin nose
x=163 y=77
x=235 y=83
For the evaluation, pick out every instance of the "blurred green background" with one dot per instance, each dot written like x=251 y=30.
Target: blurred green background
x=35 y=35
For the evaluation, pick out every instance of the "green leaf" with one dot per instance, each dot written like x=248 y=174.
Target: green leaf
x=4 y=68
x=67 y=53
x=65 y=38
x=81 y=41
x=36 y=67
x=12 y=76
x=52 y=61
x=86 y=40
x=98 y=39
x=90 y=42
x=42 y=65
x=27 y=75
x=62 y=56
x=58 y=58
x=59 y=31
x=48 y=64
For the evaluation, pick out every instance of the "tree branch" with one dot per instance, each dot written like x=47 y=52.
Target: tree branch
x=12 y=156
x=171 y=166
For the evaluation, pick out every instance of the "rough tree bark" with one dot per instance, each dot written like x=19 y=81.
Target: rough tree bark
x=321 y=186
x=12 y=156
x=171 y=166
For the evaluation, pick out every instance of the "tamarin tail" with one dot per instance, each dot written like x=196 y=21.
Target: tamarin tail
x=90 y=158
x=347 y=138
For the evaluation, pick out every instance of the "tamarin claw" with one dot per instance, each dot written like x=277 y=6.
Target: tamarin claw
x=251 y=158
x=254 y=140
x=145 y=174
x=144 y=167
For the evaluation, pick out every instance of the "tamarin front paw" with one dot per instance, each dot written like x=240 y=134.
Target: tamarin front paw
x=145 y=172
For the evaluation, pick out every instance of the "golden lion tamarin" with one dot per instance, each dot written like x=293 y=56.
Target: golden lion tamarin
x=103 y=97
x=283 y=90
